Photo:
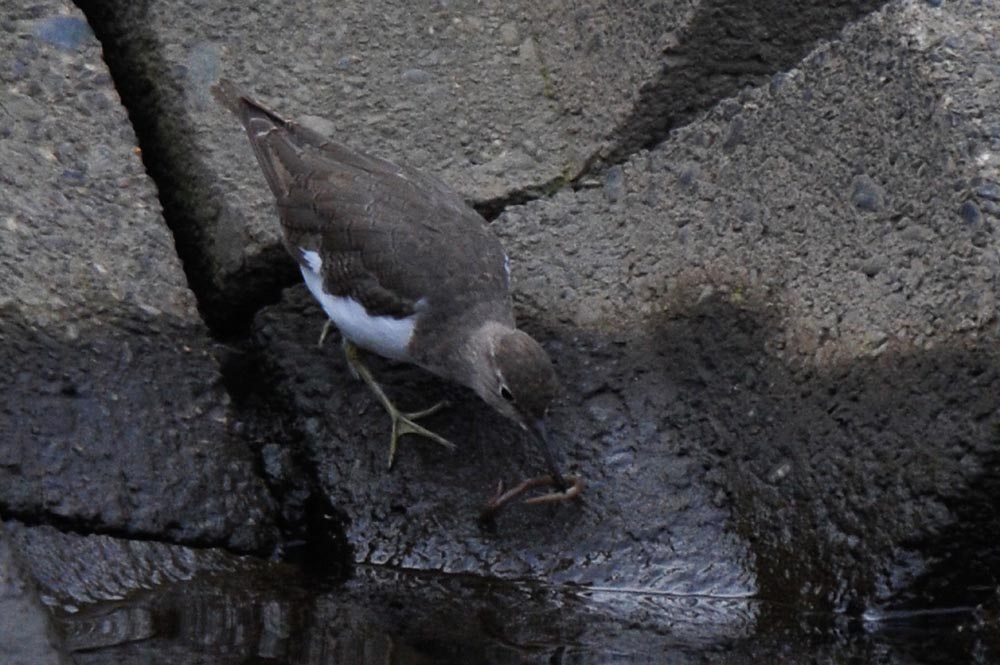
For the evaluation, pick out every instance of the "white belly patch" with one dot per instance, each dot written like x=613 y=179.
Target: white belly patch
x=385 y=335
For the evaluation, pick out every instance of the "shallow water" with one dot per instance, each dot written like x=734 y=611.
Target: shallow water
x=270 y=613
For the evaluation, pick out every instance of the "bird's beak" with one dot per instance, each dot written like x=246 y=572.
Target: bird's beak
x=538 y=429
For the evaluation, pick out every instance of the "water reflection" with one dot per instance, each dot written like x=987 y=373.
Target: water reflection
x=270 y=614
x=378 y=616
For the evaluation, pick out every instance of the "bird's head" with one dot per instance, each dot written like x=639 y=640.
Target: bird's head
x=517 y=380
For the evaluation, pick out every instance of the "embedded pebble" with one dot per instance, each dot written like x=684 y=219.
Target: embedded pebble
x=866 y=194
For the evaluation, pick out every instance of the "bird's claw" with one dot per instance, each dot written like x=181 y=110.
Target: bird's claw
x=405 y=423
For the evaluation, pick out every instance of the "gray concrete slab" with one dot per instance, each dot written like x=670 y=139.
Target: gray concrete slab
x=114 y=417
x=504 y=100
x=777 y=333
x=494 y=97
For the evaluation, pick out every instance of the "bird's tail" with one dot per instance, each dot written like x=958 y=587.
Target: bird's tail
x=244 y=107
x=285 y=148
x=274 y=139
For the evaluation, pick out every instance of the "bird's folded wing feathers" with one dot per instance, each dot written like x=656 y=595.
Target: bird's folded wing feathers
x=367 y=217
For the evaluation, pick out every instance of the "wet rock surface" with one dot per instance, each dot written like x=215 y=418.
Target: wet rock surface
x=114 y=417
x=76 y=570
x=137 y=602
x=664 y=534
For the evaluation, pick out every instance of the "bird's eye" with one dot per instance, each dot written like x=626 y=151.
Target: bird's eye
x=506 y=394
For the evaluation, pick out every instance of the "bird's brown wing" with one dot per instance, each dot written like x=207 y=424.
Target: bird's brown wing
x=387 y=235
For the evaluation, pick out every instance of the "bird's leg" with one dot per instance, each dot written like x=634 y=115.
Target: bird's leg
x=402 y=423
x=322 y=337
x=326 y=331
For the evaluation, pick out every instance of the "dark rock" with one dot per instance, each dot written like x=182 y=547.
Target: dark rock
x=989 y=190
x=778 y=82
x=991 y=207
x=873 y=266
x=65 y=32
x=416 y=76
x=734 y=135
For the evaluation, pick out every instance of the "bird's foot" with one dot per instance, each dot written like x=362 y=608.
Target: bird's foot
x=405 y=423
x=402 y=423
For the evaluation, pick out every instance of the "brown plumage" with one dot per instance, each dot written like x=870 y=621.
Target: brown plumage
x=371 y=220
x=402 y=244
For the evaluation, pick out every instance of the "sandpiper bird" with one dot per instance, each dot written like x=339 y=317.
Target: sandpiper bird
x=403 y=268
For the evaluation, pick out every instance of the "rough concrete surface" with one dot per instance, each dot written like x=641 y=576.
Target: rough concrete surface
x=503 y=100
x=723 y=47
x=27 y=633
x=777 y=336
x=114 y=417
x=464 y=89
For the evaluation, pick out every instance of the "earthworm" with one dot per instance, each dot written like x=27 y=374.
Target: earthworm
x=502 y=498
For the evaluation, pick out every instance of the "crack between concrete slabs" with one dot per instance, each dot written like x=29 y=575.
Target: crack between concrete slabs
x=85 y=528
